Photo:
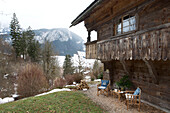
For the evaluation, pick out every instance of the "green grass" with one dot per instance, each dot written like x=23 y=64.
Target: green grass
x=60 y=102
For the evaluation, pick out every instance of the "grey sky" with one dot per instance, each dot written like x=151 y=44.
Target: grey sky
x=44 y=13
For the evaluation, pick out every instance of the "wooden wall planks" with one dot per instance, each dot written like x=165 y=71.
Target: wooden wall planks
x=151 y=45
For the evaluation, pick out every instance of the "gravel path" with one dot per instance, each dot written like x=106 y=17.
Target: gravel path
x=113 y=105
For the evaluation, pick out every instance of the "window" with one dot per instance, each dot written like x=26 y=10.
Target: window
x=126 y=24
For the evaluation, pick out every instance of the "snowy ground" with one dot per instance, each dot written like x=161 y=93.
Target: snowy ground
x=11 y=99
x=53 y=91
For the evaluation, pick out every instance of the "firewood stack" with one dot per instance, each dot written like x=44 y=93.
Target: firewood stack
x=82 y=85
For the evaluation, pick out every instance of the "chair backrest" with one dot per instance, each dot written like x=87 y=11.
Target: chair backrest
x=137 y=91
x=104 y=83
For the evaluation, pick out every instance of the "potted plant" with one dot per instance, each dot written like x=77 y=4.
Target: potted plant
x=124 y=83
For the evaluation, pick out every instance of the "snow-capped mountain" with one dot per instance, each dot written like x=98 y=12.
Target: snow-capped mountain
x=63 y=40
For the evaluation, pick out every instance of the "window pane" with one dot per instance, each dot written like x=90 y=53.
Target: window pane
x=126 y=29
x=126 y=23
x=132 y=27
x=119 y=26
x=118 y=31
x=132 y=20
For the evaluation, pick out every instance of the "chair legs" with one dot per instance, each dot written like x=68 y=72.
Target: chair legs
x=127 y=103
x=139 y=107
x=105 y=92
x=97 y=92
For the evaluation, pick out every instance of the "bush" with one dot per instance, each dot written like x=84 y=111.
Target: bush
x=124 y=82
x=100 y=76
x=59 y=83
x=73 y=78
x=31 y=80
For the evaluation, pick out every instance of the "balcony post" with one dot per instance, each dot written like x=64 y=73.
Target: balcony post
x=89 y=36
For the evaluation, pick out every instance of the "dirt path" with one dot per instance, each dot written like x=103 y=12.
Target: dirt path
x=113 y=105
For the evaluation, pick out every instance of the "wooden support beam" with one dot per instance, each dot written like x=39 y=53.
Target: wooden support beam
x=125 y=67
x=151 y=70
x=89 y=36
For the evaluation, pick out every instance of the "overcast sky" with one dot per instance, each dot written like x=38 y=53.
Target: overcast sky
x=44 y=13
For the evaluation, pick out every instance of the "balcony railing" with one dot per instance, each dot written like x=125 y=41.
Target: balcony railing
x=151 y=44
x=91 y=50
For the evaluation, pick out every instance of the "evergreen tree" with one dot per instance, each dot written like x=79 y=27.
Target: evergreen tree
x=67 y=66
x=15 y=32
x=34 y=51
x=23 y=45
x=28 y=43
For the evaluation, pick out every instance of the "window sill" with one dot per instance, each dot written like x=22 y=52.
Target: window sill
x=127 y=33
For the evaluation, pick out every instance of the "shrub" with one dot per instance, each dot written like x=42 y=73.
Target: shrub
x=59 y=82
x=100 y=76
x=31 y=80
x=77 y=77
x=124 y=82
x=92 y=79
x=73 y=78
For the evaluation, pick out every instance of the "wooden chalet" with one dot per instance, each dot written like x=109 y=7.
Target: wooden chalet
x=133 y=38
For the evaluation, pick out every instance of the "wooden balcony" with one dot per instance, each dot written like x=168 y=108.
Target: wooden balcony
x=151 y=44
x=91 y=50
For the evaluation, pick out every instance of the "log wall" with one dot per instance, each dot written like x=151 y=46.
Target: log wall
x=155 y=92
x=105 y=31
x=154 y=14
x=143 y=54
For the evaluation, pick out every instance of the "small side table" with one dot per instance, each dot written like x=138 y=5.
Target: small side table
x=118 y=93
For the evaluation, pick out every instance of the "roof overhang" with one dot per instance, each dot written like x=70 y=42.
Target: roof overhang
x=85 y=13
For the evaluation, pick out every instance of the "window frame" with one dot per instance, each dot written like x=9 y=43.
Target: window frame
x=121 y=18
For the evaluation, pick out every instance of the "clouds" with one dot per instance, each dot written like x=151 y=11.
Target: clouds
x=45 y=13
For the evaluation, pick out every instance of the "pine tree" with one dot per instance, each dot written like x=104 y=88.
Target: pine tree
x=15 y=32
x=34 y=51
x=68 y=66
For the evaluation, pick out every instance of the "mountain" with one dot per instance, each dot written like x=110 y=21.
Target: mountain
x=63 y=41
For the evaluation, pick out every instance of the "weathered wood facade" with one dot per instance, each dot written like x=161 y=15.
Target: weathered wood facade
x=133 y=38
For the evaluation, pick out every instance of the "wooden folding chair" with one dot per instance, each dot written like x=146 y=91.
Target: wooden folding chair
x=103 y=87
x=133 y=98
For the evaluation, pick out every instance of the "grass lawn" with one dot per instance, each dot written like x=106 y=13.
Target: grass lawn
x=60 y=102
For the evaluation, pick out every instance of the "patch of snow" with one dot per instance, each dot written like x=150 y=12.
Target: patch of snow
x=74 y=83
x=70 y=85
x=84 y=89
x=54 y=35
x=5 y=76
x=86 y=72
x=85 y=62
x=53 y=91
x=6 y=100
x=87 y=77
x=15 y=96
